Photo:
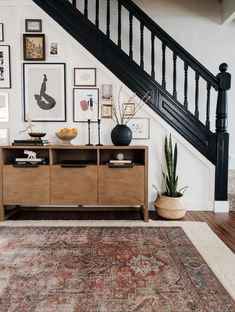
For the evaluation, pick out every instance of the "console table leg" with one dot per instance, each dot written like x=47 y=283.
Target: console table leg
x=2 y=213
x=145 y=213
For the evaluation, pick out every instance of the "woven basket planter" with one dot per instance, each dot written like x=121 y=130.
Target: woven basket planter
x=170 y=207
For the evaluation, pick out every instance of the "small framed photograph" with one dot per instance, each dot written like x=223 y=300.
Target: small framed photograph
x=85 y=77
x=4 y=110
x=1 y=32
x=34 y=47
x=4 y=136
x=128 y=109
x=106 y=91
x=5 y=67
x=85 y=104
x=44 y=86
x=106 y=111
x=53 y=49
x=33 y=25
x=139 y=128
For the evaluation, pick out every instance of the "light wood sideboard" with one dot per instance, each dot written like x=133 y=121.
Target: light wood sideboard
x=94 y=184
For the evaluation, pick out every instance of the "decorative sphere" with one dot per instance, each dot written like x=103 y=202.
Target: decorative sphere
x=120 y=156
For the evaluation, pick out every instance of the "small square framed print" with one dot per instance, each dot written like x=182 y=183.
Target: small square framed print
x=34 y=47
x=4 y=136
x=139 y=128
x=85 y=77
x=1 y=32
x=106 y=111
x=106 y=91
x=4 y=110
x=33 y=25
x=128 y=109
x=53 y=49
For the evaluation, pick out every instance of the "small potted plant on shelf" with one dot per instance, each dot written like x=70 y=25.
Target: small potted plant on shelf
x=170 y=203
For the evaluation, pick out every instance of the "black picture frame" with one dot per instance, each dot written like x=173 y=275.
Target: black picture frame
x=84 y=95
x=53 y=76
x=33 y=25
x=34 y=47
x=5 y=67
x=1 y=32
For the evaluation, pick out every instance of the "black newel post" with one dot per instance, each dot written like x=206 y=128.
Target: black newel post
x=222 y=136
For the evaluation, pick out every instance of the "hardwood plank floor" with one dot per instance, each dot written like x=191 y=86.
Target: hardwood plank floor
x=223 y=224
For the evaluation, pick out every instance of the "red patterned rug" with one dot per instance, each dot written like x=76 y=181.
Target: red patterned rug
x=113 y=269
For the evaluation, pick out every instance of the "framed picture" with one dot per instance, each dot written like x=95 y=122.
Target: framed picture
x=106 y=111
x=106 y=91
x=44 y=91
x=5 y=67
x=85 y=104
x=34 y=47
x=4 y=110
x=128 y=109
x=139 y=127
x=33 y=25
x=53 y=49
x=4 y=136
x=85 y=77
x=1 y=32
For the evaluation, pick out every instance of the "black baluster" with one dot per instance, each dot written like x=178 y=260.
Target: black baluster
x=152 y=55
x=86 y=8
x=208 y=103
x=119 y=24
x=131 y=35
x=196 y=114
x=141 y=45
x=97 y=13
x=174 y=75
x=74 y=2
x=164 y=65
x=108 y=19
x=186 y=85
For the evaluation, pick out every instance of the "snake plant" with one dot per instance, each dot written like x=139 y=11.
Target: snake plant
x=170 y=178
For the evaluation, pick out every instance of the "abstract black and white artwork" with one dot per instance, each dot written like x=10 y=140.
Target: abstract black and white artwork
x=5 y=67
x=44 y=91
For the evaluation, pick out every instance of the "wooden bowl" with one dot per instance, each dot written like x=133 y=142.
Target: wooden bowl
x=66 y=137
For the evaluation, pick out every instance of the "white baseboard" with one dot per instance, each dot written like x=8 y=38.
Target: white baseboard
x=221 y=206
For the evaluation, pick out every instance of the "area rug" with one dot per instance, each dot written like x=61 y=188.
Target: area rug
x=120 y=269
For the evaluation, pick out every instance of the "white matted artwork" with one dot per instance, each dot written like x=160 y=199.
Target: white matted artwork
x=139 y=128
x=53 y=49
x=106 y=111
x=4 y=110
x=4 y=136
x=106 y=91
x=5 y=67
x=128 y=109
x=85 y=77
x=85 y=104
x=44 y=91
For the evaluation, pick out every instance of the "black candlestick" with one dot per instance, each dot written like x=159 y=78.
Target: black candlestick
x=99 y=144
x=89 y=132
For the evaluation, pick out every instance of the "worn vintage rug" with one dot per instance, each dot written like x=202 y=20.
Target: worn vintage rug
x=119 y=269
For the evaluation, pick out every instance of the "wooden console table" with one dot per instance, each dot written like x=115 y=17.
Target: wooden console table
x=94 y=184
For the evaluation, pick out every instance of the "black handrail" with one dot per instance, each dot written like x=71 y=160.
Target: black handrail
x=170 y=42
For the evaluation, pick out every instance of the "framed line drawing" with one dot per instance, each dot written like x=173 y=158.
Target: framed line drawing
x=53 y=49
x=106 y=111
x=5 y=67
x=128 y=109
x=85 y=77
x=33 y=25
x=34 y=47
x=85 y=104
x=4 y=136
x=44 y=86
x=139 y=128
x=106 y=91
x=1 y=32
x=4 y=109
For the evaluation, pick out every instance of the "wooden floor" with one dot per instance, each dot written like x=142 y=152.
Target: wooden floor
x=223 y=224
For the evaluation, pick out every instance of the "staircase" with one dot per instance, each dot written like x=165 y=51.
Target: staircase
x=83 y=23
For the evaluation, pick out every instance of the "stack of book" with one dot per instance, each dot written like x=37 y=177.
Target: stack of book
x=29 y=162
x=124 y=163
x=38 y=142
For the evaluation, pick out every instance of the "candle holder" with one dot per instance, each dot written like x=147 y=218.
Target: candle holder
x=98 y=122
x=89 y=133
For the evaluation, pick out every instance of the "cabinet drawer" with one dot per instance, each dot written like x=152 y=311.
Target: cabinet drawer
x=118 y=186
x=73 y=186
x=25 y=186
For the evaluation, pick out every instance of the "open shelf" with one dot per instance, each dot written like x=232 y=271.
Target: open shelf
x=88 y=156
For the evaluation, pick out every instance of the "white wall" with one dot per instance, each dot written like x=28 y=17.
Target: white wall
x=194 y=170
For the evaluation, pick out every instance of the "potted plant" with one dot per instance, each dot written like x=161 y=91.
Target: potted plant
x=170 y=204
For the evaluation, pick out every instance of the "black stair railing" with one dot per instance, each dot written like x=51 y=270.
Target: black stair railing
x=213 y=145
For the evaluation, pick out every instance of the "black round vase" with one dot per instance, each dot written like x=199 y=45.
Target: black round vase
x=121 y=135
